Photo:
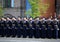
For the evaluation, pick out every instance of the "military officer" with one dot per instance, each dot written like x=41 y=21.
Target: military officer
x=43 y=31
x=43 y=28
x=56 y=31
x=31 y=29
x=59 y=29
x=25 y=27
x=49 y=28
x=20 y=27
x=14 y=27
x=0 y=28
x=9 y=27
x=3 y=25
x=55 y=22
x=37 y=29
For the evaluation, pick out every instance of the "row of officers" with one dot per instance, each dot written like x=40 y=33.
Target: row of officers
x=37 y=28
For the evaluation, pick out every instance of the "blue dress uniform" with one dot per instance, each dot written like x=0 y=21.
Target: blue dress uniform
x=3 y=25
x=8 y=28
x=59 y=29
x=0 y=28
x=43 y=29
x=27 y=27
x=38 y=29
x=31 y=29
x=24 y=29
x=49 y=31
x=56 y=31
x=14 y=28
x=49 y=28
x=54 y=22
x=34 y=28
x=20 y=28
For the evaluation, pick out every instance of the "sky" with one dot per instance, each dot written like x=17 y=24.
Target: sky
x=12 y=3
x=28 y=6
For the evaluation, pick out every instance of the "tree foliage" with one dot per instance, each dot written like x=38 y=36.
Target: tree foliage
x=1 y=11
x=37 y=8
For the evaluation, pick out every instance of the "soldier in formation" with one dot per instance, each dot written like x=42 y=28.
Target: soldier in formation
x=24 y=27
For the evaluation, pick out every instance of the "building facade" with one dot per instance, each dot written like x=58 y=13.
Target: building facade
x=18 y=7
x=58 y=7
x=14 y=7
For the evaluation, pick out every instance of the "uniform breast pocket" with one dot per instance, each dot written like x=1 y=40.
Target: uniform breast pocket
x=13 y=24
x=24 y=25
x=7 y=24
x=19 y=25
x=2 y=24
x=31 y=25
x=37 y=25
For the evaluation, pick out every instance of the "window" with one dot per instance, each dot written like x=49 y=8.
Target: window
x=8 y=3
x=12 y=3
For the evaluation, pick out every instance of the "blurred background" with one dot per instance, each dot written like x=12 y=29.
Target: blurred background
x=30 y=8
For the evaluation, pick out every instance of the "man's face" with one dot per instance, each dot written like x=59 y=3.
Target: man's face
x=55 y=18
x=30 y=18
x=24 y=18
x=13 y=18
x=19 y=18
x=37 y=18
x=2 y=18
x=8 y=18
x=49 y=19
